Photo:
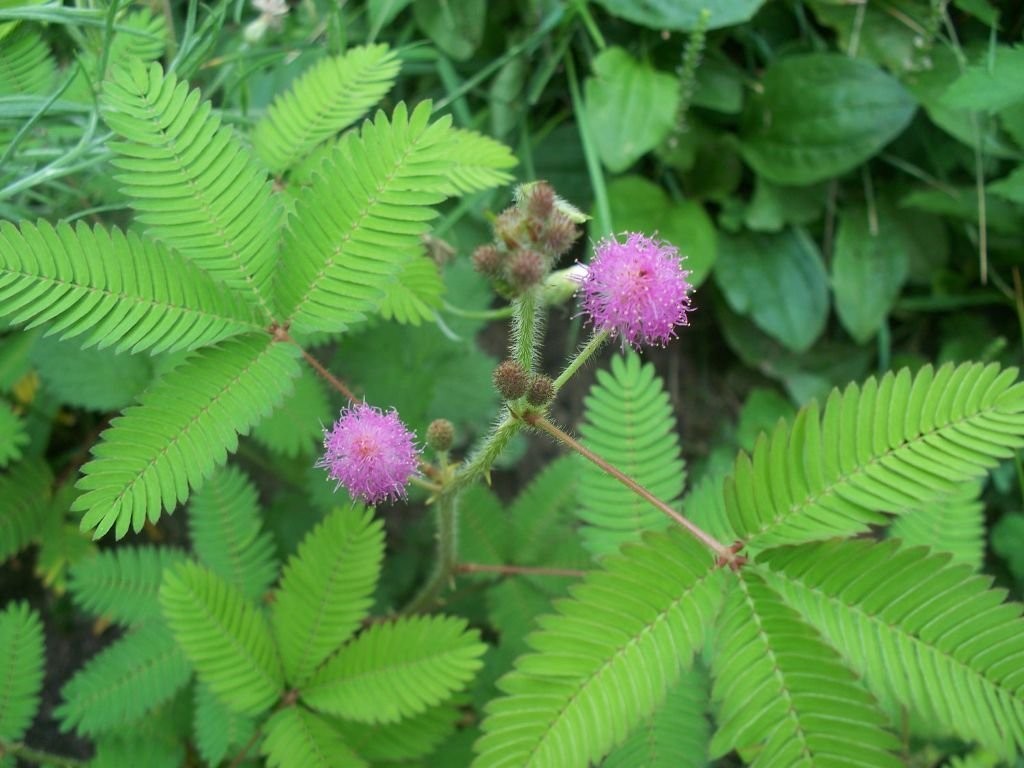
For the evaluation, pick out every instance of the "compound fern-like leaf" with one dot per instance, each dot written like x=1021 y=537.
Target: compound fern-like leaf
x=24 y=502
x=125 y=681
x=477 y=162
x=194 y=185
x=295 y=426
x=225 y=637
x=215 y=728
x=921 y=633
x=21 y=669
x=122 y=290
x=605 y=661
x=953 y=523
x=676 y=736
x=414 y=295
x=779 y=689
x=326 y=590
x=886 y=446
x=397 y=670
x=12 y=435
x=298 y=738
x=224 y=524
x=361 y=219
x=411 y=738
x=326 y=99
x=182 y=429
x=122 y=584
x=26 y=66
x=629 y=423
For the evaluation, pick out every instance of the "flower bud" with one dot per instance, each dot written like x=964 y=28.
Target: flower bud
x=561 y=234
x=525 y=269
x=508 y=227
x=440 y=434
x=540 y=201
x=511 y=380
x=487 y=260
x=541 y=391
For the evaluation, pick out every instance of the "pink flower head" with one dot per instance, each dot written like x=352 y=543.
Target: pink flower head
x=636 y=289
x=370 y=452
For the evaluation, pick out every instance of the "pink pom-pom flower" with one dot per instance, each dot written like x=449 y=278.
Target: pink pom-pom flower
x=636 y=290
x=370 y=452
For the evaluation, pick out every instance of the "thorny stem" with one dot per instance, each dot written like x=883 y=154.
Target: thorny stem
x=518 y=570
x=447 y=509
x=585 y=353
x=485 y=456
x=723 y=553
x=38 y=756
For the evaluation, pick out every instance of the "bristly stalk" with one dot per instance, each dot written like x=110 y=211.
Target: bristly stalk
x=692 y=57
x=447 y=517
x=526 y=329
x=585 y=353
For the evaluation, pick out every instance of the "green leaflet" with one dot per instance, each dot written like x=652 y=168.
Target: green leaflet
x=921 y=633
x=21 y=669
x=120 y=289
x=361 y=219
x=408 y=739
x=886 y=446
x=606 y=659
x=125 y=681
x=225 y=637
x=629 y=423
x=297 y=738
x=295 y=428
x=953 y=523
x=216 y=729
x=225 y=526
x=12 y=435
x=122 y=584
x=191 y=182
x=396 y=670
x=327 y=590
x=26 y=66
x=95 y=379
x=783 y=696
x=328 y=97
x=676 y=736
x=24 y=502
x=182 y=429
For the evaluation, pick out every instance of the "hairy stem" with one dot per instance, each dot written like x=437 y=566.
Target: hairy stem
x=526 y=329
x=282 y=335
x=484 y=457
x=37 y=756
x=724 y=553
x=447 y=511
x=581 y=358
x=518 y=570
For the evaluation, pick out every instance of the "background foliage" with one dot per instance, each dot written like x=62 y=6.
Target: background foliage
x=847 y=183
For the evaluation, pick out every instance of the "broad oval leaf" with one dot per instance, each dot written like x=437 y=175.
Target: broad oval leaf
x=779 y=281
x=820 y=115
x=683 y=15
x=872 y=259
x=630 y=105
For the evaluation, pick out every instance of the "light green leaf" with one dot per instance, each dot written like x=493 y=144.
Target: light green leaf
x=779 y=281
x=869 y=268
x=297 y=738
x=820 y=115
x=12 y=435
x=21 y=669
x=326 y=590
x=122 y=584
x=216 y=729
x=96 y=379
x=631 y=107
x=994 y=83
x=397 y=669
x=225 y=637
